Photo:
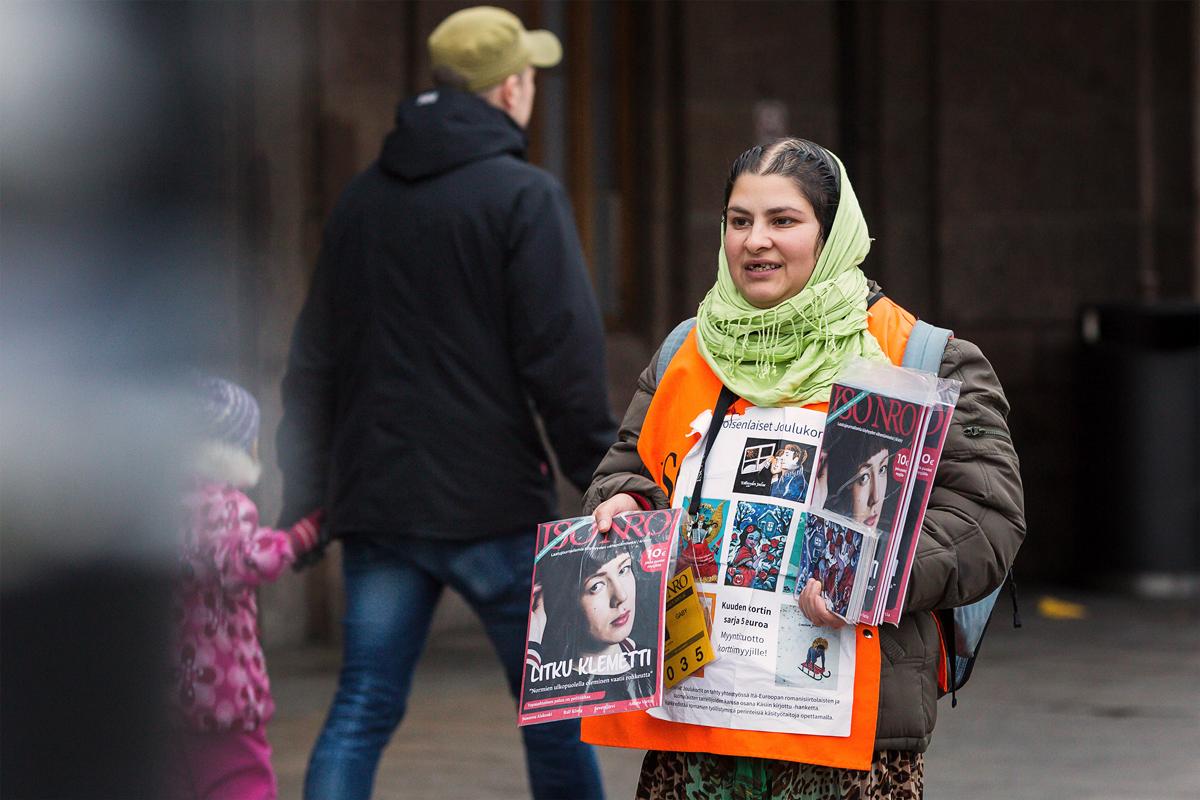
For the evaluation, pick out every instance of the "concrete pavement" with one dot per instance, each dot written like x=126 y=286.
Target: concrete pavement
x=1102 y=708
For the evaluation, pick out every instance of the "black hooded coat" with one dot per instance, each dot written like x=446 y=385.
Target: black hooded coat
x=449 y=304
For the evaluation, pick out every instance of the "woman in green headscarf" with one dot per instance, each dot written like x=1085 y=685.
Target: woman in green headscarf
x=790 y=304
x=790 y=307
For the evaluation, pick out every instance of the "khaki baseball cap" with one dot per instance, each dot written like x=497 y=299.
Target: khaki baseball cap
x=485 y=45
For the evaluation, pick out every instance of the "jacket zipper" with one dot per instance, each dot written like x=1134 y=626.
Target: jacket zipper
x=975 y=431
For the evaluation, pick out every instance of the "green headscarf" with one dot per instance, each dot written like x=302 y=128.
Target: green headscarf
x=790 y=354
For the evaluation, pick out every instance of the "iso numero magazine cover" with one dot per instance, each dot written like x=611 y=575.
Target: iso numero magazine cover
x=596 y=616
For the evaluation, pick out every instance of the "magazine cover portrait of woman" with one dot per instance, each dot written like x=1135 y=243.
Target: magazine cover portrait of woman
x=854 y=477
x=594 y=625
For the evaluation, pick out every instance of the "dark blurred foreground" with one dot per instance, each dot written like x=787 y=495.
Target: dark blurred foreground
x=108 y=250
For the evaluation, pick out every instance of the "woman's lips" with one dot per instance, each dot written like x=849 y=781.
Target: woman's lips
x=872 y=520
x=622 y=620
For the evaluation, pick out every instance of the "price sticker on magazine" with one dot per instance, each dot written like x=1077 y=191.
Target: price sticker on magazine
x=688 y=647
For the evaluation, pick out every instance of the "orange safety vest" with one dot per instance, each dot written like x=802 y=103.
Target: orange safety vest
x=687 y=389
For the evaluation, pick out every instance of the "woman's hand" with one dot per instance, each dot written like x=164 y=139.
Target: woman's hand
x=617 y=504
x=537 y=616
x=813 y=605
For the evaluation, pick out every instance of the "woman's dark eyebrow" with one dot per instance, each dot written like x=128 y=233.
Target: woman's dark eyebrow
x=599 y=574
x=769 y=211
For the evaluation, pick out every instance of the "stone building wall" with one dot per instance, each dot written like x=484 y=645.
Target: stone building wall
x=1015 y=161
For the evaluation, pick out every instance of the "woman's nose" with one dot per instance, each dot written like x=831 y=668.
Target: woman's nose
x=876 y=491
x=618 y=595
x=758 y=239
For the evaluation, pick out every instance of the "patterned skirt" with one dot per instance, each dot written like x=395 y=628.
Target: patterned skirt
x=894 y=775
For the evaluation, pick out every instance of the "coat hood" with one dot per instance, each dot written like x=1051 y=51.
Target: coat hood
x=442 y=129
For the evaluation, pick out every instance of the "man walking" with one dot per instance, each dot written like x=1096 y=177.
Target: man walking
x=449 y=304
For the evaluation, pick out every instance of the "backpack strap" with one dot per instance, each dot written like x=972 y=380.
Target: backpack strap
x=925 y=347
x=670 y=347
x=960 y=629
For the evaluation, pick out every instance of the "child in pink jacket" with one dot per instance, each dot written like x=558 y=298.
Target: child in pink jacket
x=222 y=694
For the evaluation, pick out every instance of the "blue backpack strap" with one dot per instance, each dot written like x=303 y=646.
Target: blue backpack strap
x=962 y=628
x=670 y=347
x=925 y=347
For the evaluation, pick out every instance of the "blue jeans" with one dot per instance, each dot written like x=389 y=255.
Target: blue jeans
x=391 y=592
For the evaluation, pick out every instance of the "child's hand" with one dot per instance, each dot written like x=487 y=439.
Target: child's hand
x=306 y=534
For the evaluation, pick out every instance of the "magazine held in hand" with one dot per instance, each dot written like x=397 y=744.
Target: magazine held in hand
x=899 y=565
x=875 y=432
x=595 y=636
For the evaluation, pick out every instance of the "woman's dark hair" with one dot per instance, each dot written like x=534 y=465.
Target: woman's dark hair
x=845 y=451
x=562 y=585
x=810 y=166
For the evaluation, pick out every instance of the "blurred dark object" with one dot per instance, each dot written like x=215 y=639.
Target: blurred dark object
x=1139 y=435
x=109 y=128
x=82 y=672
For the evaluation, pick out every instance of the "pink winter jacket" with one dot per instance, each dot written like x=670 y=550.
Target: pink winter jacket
x=220 y=675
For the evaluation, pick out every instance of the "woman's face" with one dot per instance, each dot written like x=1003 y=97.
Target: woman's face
x=772 y=239
x=608 y=598
x=868 y=487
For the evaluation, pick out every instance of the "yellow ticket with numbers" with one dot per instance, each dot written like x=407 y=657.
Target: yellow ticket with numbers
x=688 y=646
